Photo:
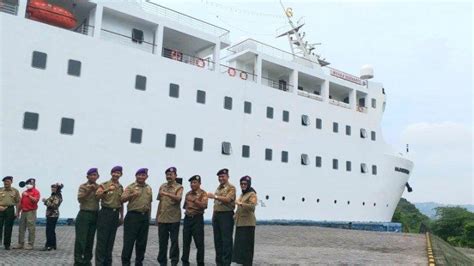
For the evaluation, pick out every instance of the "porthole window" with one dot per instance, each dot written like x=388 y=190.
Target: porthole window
x=67 y=126
x=304 y=159
x=39 y=60
x=74 y=68
x=375 y=204
x=363 y=168
x=201 y=97
x=317 y=200
x=140 y=82
x=136 y=135
x=30 y=120
x=363 y=133
x=335 y=201
x=363 y=203
x=267 y=197
x=303 y=199
x=348 y=202
x=283 y=198
x=170 y=141
x=305 y=120
x=270 y=112
x=174 y=90
x=226 y=148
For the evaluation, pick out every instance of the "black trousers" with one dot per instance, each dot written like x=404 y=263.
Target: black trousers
x=107 y=224
x=51 y=231
x=86 y=222
x=135 y=232
x=7 y=217
x=244 y=245
x=168 y=231
x=223 y=228
x=193 y=228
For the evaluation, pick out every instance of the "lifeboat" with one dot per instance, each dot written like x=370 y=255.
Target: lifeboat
x=43 y=11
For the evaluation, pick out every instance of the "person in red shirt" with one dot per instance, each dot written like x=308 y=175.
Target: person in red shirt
x=27 y=209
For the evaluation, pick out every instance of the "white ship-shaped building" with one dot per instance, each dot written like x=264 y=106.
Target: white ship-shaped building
x=102 y=83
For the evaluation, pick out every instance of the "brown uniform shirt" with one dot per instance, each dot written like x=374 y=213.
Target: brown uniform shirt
x=141 y=203
x=112 y=194
x=86 y=197
x=190 y=206
x=169 y=210
x=245 y=214
x=227 y=190
x=9 y=197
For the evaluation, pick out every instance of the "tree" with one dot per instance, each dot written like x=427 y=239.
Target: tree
x=455 y=225
x=410 y=217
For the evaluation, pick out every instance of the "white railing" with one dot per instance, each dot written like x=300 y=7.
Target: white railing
x=310 y=95
x=8 y=8
x=238 y=73
x=339 y=103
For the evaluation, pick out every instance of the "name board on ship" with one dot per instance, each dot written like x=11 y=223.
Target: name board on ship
x=345 y=76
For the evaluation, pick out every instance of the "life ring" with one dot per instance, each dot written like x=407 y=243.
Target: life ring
x=175 y=55
x=360 y=108
x=231 y=71
x=243 y=75
x=200 y=62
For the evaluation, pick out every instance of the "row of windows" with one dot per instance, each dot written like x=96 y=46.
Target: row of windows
x=30 y=121
x=303 y=199
x=39 y=61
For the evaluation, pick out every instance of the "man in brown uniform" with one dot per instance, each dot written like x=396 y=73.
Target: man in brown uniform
x=86 y=220
x=168 y=217
x=193 y=225
x=9 y=198
x=110 y=216
x=137 y=221
x=223 y=218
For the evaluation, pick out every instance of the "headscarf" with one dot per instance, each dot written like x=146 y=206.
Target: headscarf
x=58 y=187
x=248 y=179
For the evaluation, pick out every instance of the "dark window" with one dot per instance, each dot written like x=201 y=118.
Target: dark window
x=228 y=103
x=174 y=90
x=245 y=151
x=335 y=127
x=374 y=103
x=318 y=161
x=136 y=135
x=39 y=60
x=374 y=169
x=348 y=130
x=198 y=143
x=284 y=156
x=268 y=154
x=170 y=140
x=305 y=120
x=372 y=135
x=363 y=133
x=137 y=35
x=304 y=159
x=140 y=82
x=363 y=168
x=226 y=148
x=270 y=112
x=30 y=120
x=319 y=123
x=335 y=164
x=67 y=126
x=247 y=107
x=348 y=166
x=201 y=97
x=74 y=68
x=286 y=116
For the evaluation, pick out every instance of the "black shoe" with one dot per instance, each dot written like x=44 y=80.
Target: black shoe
x=7 y=248
x=47 y=249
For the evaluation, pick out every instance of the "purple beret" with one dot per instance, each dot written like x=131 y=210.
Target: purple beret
x=117 y=168
x=224 y=171
x=142 y=171
x=171 y=169
x=93 y=171
x=8 y=178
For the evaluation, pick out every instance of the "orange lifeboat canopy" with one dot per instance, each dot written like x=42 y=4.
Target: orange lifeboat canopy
x=43 y=11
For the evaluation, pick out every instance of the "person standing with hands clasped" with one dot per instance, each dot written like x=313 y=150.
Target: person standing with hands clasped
x=245 y=223
x=9 y=198
x=52 y=214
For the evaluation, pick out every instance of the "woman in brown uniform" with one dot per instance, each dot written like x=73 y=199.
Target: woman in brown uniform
x=52 y=214
x=245 y=223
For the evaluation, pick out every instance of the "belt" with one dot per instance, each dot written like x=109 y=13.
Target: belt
x=110 y=209
x=139 y=212
x=92 y=211
x=193 y=216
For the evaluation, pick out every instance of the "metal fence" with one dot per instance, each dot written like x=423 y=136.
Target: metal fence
x=187 y=59
x=284 y=86
x=238 y=73
x=128 y=40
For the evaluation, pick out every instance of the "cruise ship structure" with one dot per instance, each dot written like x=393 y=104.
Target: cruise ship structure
x=103 y=83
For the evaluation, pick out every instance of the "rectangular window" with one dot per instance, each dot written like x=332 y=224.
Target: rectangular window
x=374 y=169
x=174 y=90
x=374 y=103
x=372 y=135
x=67 y=126
x=319 y=162
x=226 y=148
x=348 y=166
x=305 y=120
x=363 y=133
x=268 y=154
x=228 y=103
x=137 y=35
x=245 y=151
x=136 y=135
x=304 y=159
x=286 y=116
x=270 y=112
x=284 y=156
x=247 y=107
x=170 y=141
x=198 y=144
x=363 y=168
x=201 y=97
x=335 y=164
x=30 y=120
x=140 y=82
x=39 y=60
x=74 y=68
x=348 y=130
x=335 y=127
x=319 y=123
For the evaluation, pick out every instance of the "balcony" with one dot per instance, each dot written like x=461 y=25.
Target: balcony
x=238 y=73
x=9 y=7
x=339 y=103
x=187 y=59
x=310 y=95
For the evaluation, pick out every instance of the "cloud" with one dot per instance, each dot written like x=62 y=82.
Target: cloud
x=442 y=153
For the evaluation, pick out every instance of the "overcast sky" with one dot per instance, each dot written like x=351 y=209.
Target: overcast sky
x=421 y=52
